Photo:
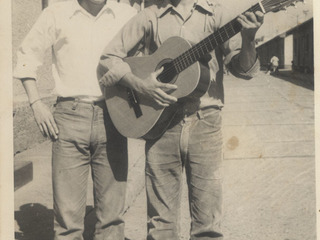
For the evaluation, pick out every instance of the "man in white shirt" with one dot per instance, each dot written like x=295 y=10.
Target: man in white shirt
x=82 y=132
x=274 y=63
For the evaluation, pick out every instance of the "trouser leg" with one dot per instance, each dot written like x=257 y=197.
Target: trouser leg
x=109 y=172
x=163 y=185
x=204 y=177
x=70 y=168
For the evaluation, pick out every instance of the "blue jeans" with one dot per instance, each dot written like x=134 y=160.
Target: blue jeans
x=194 y=143
x=87 y=139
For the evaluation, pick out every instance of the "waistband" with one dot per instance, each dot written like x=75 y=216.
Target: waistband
x=80 y=99
x=197 y=114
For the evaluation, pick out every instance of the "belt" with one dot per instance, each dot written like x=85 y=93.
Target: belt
x=80 y=99
x=198 y=114
x=202 y=110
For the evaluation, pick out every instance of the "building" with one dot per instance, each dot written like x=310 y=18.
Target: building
x=294 y=48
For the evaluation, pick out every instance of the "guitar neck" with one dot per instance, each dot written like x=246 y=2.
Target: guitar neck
x=208 y=44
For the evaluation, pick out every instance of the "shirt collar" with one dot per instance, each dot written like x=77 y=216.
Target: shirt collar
x=204 y=4
x=164 y=9
x=76 y=7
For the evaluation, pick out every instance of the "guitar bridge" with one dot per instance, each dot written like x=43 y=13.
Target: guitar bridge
x=134 y=102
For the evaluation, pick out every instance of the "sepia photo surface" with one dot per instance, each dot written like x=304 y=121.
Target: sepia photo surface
x=269 y=139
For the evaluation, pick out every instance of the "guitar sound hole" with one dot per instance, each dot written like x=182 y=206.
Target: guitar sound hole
x=168 y=75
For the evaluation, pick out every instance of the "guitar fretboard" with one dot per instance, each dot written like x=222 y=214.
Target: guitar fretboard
x=209 y=43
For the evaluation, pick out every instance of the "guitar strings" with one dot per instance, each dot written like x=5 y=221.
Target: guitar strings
x=181 y=62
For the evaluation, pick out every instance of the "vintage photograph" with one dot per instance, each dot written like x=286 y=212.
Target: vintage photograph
x=163 y=120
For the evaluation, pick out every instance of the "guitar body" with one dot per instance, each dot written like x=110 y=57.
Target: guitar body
x=192 y=82
x=136 y=116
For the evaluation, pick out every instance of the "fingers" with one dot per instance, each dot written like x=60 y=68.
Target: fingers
x=251 y=19
x=158 y=72
x=162 y=104
x=159 y=90
x=167 y=86
x=41 y=130
x=242 y=20
x=164 y=98
x=163 y=88
x=54 y=125
x=49 y=128
x=53 y=129
x=247 y=19
x=260 y=16
x=250 y=22
x=256 y=18
x=45 y=121
x=44 y=129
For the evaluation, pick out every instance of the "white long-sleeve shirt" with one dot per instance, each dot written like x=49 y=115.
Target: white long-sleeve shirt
x=77 y=39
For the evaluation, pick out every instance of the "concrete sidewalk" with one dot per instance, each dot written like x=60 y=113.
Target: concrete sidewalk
x=33 y=202
x=269 y=181
x=269 y=167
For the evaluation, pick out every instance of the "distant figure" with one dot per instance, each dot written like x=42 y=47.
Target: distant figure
x=274 y=63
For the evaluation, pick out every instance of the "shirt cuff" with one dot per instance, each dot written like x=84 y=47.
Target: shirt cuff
x=236 y=69
x=21 y=71
x=115 y=74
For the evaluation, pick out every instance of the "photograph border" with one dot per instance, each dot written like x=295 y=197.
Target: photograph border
x=6 y=122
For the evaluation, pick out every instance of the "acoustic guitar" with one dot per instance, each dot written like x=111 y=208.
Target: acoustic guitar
x=136 y=116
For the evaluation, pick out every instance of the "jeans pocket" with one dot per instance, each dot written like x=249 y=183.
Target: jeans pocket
x=212 y=119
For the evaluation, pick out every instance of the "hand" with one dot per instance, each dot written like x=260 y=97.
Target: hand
x=250 y=22
x=45 y=120
x=156 y=90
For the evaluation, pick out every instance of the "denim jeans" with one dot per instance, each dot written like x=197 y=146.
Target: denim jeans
x=193 y=143
x=88 y=140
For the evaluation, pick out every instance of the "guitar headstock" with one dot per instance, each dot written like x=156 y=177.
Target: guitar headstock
x=278 y=5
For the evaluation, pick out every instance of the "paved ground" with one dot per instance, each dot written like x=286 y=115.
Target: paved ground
x=269 y=183
x=33 y=202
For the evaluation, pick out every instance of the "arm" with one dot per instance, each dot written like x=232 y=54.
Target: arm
x=113 y=70
x=29 y=58
x=41 y=112
x=240 y=56
x=250 y=22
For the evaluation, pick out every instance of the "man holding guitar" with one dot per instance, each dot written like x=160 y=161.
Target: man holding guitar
x=192 y=139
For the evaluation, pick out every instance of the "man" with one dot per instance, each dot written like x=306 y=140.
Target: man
x=83 y=135
x=274 y=63
x=193 y=140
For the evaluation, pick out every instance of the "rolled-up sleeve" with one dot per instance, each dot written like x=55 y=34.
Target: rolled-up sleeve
x=126 y=43
x=231 y=50
x=235 y=68
x=32 y=50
